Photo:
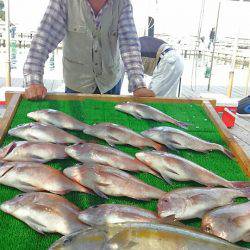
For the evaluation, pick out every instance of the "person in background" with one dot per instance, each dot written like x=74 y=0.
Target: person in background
x=164 y=64
x=96 y=34
x=211 y=37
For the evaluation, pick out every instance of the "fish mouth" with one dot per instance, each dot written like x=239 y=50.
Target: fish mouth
x=118 y=107
x=5 y=207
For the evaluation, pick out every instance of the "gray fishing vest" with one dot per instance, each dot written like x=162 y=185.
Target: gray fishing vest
x=91 y=56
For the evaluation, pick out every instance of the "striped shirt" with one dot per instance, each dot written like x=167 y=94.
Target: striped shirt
x=53 y=29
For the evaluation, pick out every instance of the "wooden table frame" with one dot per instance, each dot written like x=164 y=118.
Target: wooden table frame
x=14 y=98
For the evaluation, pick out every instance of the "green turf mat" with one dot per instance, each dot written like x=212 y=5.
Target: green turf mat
x=16 y=235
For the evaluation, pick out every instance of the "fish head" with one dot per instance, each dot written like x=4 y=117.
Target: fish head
x=66 y=242
x=35 y=115
x=75 y=150
x=18 y=202
x=125 y=107
x=215 y=226
x=151 y=134
x=90 y=215
x=21 y=130
x=40 y=114
x=85 y=239
x=77 y=173
x=146 y=157
x=169 y=206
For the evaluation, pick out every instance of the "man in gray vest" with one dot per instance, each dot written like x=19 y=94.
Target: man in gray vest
x=164 y=64
x=97 y=36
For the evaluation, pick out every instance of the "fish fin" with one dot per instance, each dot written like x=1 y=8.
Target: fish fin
x=7 y=149
x=138 y=116
x=121 y=241
x=112 y=141
x=33 y=138
x=27 y=187
x=7 y=170
x=35 y=225
x=99 y=192
x=171 y=220
x=160 y=147
x=246 y=237
x=184 y=125
x=37 y=158
x=240 y=184
x=166 y=178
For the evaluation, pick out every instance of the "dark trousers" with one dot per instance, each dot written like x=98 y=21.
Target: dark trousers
x=114 y=91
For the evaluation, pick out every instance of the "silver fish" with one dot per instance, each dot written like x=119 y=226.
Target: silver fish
x=116 y=134
x=189 y=203
x=57 y=118
x=32 y=151
x=36 y=132
x=177 y=168
x=231 y=223
x=111 y=181
x=143 y=111
x=45 y=213
x=30 y=176
x=114 y=213
x=177 y=139
x=95 y=153
x=141 y=236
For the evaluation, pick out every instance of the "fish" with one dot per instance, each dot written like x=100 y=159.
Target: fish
x=177 y=168
x=231 y=222
x=56 y=118
x=177 y=139
x=189 y=203
x=116 y=134
x=115 y=213
x=143 y=111
x=25 y=151
x=95 y=153
x=138 y=236
x=30 y=176
x=45 y=212
x=36 y=132
x=106 y=180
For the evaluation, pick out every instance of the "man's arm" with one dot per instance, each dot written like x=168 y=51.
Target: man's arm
x=50 y=33
x=131 y=53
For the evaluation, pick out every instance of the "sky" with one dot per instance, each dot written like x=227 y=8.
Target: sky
x=175 y=17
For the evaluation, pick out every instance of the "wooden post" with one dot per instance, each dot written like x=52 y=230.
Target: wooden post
x=212 y=60
x=234 y=55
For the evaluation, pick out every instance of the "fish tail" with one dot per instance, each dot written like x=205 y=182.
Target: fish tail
x=241 y=185
x=246 y=192
x=225 y=151
x=184 y=125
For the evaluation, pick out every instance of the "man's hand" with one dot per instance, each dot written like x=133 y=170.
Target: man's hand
x=35 y=92
x=143 y=92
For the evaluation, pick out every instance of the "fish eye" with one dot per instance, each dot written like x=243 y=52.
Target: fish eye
x=208 y=229
x=20 y=196
x=67 y=241
x=96 y=206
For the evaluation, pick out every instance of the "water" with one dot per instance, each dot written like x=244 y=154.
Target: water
x=53 y=76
